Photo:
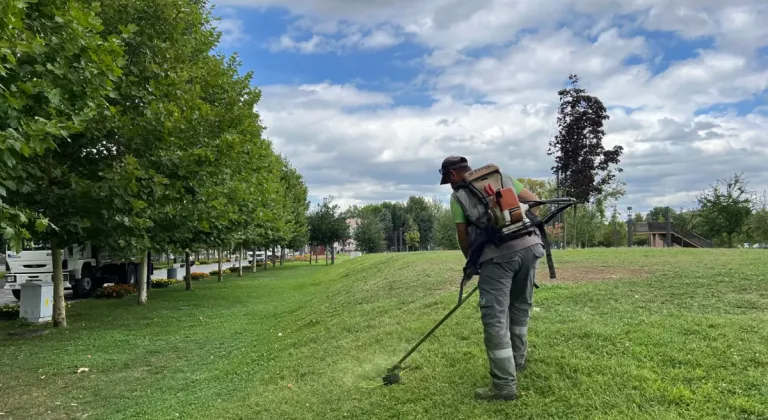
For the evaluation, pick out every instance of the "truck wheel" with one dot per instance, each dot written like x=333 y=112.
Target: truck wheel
x=130 y=277
x=84 y=285
x=16 y=293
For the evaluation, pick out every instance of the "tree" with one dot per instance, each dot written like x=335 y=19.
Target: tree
x=412 y=239
x=183 y=125
x=537 y=186
x=369 y=234
x=398 y=218
x=758 y=223
x=327 y=225
x=555 y=232
x=685 y=221
x=582 y=164
x=725 y=208
x=47 y=101
x=420 y=212
x=296 y=208
x=445 y=235
x=659 y=214
x=614 y=233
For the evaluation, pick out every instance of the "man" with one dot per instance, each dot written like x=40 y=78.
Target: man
x=505 y=285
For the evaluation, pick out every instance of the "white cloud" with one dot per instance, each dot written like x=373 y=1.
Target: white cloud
x=333 y=37
x=232 y=31
x=499 y=104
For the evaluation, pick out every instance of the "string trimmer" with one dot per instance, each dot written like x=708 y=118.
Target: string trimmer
x=470 y=270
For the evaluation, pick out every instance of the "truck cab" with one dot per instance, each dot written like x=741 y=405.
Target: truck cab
x=33 y=263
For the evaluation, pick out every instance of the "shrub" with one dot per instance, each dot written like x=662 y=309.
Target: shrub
x=116 y=291
x=163 y=283
x=224 y=271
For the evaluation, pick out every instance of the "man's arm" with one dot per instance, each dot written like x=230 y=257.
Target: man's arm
x=525 y=195
x=461 y=226
x=463 y=235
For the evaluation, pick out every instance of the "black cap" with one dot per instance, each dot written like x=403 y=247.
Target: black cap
x=451 y=163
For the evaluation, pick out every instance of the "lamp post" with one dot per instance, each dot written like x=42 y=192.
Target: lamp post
x=630 y=234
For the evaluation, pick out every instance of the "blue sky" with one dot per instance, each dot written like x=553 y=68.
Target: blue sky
x=367 y=98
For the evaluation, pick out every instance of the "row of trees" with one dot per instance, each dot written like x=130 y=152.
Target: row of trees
x=121 y=126
x=728 y=213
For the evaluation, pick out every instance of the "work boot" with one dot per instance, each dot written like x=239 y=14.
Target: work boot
x=493 y=394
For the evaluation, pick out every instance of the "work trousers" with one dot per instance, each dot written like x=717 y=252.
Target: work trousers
x=506 y=299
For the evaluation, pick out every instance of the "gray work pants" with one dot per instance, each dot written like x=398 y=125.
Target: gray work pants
x=506 y=298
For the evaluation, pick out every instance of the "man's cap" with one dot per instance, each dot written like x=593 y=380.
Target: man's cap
x=451 y=163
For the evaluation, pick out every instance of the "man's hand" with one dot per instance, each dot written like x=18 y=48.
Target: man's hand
x=468 y=274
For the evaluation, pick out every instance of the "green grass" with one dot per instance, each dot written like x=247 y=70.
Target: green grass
x=625 y=334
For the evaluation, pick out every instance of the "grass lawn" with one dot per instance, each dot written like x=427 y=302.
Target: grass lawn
x=623 y=334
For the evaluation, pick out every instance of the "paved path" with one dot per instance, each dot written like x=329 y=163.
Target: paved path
x=206 y=268
x=6 y=297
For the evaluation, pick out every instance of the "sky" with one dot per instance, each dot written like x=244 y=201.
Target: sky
x=367 y=97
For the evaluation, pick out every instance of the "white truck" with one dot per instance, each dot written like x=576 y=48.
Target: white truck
x=84 y=268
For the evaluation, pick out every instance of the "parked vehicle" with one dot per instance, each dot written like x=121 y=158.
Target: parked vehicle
x=84 y=268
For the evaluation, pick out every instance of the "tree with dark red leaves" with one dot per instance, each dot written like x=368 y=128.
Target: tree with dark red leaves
x=582 y=164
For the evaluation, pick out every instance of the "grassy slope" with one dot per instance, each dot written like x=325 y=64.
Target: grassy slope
x=681 y=335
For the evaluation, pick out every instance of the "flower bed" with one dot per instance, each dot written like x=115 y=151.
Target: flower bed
x=216 y=272
x=163 y=283
x=9 y=312
x=199 y=276
x=115 y=291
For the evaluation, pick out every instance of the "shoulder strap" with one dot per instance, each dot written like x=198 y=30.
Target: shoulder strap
x=463 y=207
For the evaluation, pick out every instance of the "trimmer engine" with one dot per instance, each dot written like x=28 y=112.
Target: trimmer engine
x=507 y=212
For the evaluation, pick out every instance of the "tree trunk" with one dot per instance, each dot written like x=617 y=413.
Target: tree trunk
x=253 y=264
x=142 y=280
x=326 y=254
x=282 y=255
x=333 y=255
x=310 y=255
x=187 y=271
x=240 y=263
x=59 y=312
x=149 y=270
x=274 y=260
x=266 y=260
x=218 y=276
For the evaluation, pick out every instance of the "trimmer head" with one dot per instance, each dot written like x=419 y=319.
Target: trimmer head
x=392 y=377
